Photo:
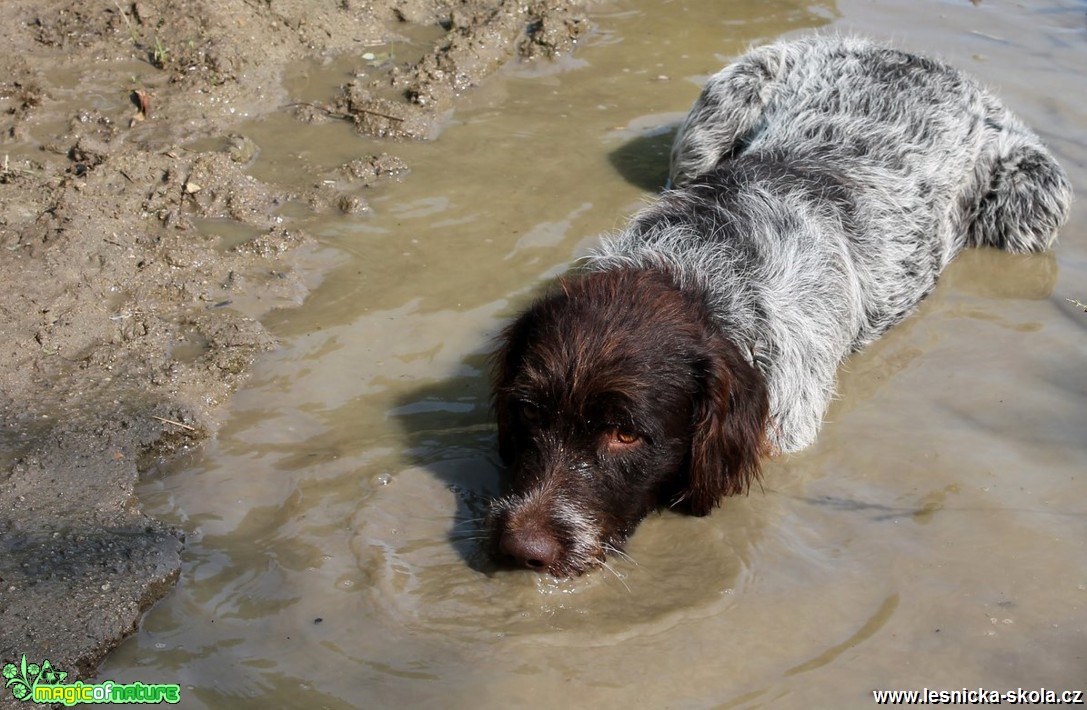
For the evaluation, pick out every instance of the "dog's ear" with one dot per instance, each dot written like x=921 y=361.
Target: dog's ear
x=505 y=362
x=729 y=428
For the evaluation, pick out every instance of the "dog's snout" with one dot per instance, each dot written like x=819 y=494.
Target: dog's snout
x=531 y=547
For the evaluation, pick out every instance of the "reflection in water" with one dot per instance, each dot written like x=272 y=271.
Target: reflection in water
x=931 y=538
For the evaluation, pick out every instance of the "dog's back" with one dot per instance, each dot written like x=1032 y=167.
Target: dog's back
x=822 y=186
x=919 y=131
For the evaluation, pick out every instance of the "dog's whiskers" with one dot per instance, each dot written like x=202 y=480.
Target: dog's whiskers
x=479 y=536
x=615 y=574
x=609 y=548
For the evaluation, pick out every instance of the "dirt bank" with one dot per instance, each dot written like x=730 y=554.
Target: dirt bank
x=123 y=325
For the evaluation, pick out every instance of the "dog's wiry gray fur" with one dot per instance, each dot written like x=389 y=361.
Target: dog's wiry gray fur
x=820 y=187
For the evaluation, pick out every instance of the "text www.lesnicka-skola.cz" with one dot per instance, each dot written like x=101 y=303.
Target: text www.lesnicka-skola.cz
x=978 y=696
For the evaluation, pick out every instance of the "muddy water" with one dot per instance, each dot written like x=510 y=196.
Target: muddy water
x=933 y=537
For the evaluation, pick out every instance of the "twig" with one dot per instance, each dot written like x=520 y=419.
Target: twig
x=171 y=421
x=345 y=116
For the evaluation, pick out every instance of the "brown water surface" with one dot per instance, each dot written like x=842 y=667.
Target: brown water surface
x=933 y=537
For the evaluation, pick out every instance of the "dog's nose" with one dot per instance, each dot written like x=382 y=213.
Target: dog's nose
x=530 y=547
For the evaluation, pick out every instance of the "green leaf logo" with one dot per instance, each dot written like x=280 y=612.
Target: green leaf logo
x=22 y=679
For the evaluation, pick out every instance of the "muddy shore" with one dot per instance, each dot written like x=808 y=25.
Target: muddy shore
x=124 y=324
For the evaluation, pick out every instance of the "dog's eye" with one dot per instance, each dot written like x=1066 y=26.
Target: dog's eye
x=530 y=413
x=624 y=436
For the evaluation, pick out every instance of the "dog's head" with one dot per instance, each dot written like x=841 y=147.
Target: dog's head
x=616 y=393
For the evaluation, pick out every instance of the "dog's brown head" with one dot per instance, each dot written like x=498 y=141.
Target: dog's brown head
x=616 y=393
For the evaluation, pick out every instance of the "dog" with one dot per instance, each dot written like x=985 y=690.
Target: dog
x=818 y=188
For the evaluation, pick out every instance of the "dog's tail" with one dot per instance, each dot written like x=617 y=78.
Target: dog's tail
x=1029 y=193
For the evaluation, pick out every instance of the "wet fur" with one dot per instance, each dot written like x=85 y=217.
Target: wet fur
x=820 y=186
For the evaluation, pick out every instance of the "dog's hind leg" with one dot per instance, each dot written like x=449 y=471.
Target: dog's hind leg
x=727 y=111
x=1026 y=196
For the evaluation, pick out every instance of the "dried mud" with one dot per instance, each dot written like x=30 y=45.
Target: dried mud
x=123 y=325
